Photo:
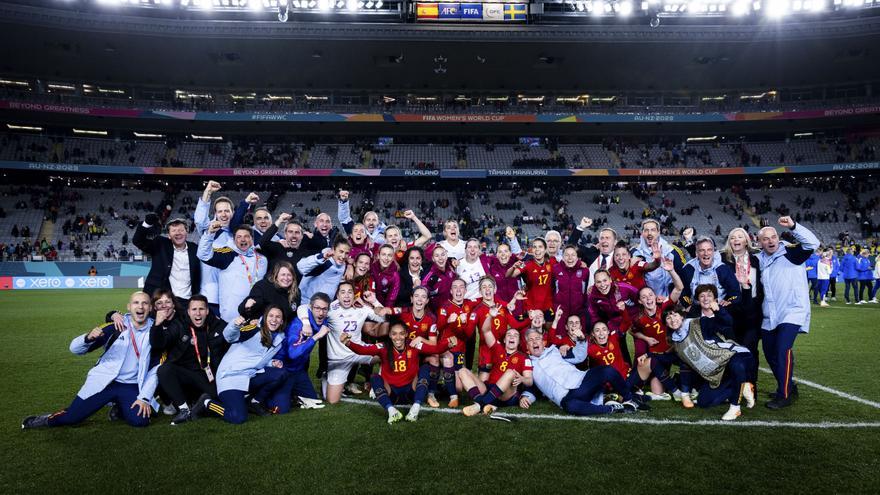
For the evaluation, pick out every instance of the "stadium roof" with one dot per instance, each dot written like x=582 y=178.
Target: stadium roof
x=135 y=50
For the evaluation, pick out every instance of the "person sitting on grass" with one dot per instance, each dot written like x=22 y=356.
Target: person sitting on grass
x=248 y=369
x=402 y=380
x=706 y=346
x=125 y=374
x=575 y=391
x=510 y=369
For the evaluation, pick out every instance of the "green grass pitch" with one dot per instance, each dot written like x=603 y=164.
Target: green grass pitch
x=350 y=448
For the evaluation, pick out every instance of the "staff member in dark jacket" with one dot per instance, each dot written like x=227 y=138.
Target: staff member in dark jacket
x=194 y=347
x=175 y=265
x=747 y=315
x=290 y=250
x=279 y=288
x=412 y=270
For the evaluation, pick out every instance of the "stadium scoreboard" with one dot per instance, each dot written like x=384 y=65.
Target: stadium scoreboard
x=472 y=12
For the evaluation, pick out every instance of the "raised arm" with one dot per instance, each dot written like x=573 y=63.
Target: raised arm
x=343 y=212
x=201 y=217
x=678 y=285
x=807 y=239
x=146 y=235
x=425 y=234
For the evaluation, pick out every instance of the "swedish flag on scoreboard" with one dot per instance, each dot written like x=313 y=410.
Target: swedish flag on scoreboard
x=515 y=11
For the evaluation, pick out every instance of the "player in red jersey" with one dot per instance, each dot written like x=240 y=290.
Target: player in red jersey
x=604 y=350
x=510 y=369
x=498 y=322
x=455 y=319
x=649 y=332
x=625 y=269
x=402 y=379
x=537 y=272
x=421 y=323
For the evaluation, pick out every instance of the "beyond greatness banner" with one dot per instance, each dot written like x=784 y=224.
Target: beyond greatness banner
x=438 y=118
x=441 y=174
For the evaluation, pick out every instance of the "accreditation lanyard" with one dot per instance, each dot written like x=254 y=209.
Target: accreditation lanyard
x=134 y=345
x=247 y=267
x=207 y=367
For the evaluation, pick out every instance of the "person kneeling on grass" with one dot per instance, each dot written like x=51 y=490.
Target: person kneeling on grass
x=125 y=373
x=510 y=369
x=194 y=349
x=248 y=368
x=402 y=380
x=575 y=391
x=705 y=345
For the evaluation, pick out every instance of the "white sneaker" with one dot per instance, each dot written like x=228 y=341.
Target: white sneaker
x=873 y=301
x=833 y=299
x=862 y=302
x=353 y=389
x=663 y=396
x=748 y=394
x=307 y=403
x=169 y=410
x=413 y=414
x=394 y=416
x=372 y=394
x=824 y=304
x=732 y=413
x=849 y=302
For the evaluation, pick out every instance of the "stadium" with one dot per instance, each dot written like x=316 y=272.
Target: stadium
x=503 y=247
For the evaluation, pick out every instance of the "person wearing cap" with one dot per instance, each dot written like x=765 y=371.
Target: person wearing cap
x=175 y=265
x=708 y=268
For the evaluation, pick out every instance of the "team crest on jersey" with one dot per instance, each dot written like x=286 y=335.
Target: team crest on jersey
x=514 y=360
x=579 y=273
x=384 y=281
x=289 y=254
x=610 y=347
x=424 y=326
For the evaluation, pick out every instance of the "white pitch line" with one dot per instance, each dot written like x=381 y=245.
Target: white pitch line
x=648 y=421
x=830 y=390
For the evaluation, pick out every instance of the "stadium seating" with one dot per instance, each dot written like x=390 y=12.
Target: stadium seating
x=529 y=208
x=170 y=152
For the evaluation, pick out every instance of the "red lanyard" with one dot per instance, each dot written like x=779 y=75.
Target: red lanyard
x=248 y=268
x=196 y=345
x=134 y=345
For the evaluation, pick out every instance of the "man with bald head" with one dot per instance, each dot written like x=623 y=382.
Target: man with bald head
x=786 y=304
x=375 y=228
x=322 y=236
x=125 y=373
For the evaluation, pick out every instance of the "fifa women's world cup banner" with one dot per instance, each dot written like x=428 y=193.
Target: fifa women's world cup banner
x=473 y=173
x=513 y=12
